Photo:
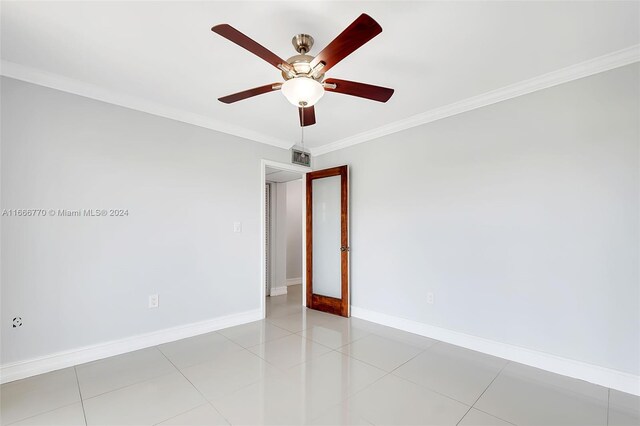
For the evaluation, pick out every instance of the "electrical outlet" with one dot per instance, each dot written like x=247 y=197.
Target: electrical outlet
x=237 y=227
x=17 y=322
x=430 y=298
x=154 y=301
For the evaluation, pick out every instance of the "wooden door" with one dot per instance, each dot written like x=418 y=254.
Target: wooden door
x=328 y=240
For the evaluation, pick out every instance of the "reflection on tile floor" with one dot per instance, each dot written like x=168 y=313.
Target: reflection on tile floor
x=306 y=367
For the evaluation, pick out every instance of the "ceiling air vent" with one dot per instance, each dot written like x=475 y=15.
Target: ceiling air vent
x=300 y=157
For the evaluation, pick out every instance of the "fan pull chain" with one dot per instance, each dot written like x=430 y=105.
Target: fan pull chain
x=304 y=152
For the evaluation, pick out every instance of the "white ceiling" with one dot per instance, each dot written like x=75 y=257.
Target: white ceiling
x=280 y=176
x=432 y=53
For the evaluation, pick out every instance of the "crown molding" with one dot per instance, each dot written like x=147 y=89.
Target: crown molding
x=564 y=75
x=65 y=84
x=597 y=65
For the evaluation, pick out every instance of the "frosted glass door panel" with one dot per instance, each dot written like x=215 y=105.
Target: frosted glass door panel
x=326 y=236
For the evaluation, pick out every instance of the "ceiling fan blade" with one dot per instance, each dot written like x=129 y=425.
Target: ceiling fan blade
x=231 y=34
x=309 y=115
x=353 y=37
x=229 y=99
x=361 y=90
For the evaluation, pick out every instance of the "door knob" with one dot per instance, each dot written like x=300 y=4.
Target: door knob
x=345 y=248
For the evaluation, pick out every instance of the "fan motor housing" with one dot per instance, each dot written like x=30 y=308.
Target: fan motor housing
x=300 y=64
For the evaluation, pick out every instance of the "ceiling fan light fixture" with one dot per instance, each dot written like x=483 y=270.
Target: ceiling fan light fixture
x=302 y=91
x=304 y=74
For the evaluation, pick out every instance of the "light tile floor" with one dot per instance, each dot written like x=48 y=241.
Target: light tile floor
x=306 y=367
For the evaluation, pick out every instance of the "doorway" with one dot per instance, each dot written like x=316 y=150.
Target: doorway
x=283 y=230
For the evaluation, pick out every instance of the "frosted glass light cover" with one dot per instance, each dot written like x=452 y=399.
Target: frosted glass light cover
x=302 y=91
x=327 y=278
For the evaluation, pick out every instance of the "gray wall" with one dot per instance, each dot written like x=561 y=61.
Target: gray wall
x=522 y=218
x=294 y=229
x=78 y=281
x=279 y=235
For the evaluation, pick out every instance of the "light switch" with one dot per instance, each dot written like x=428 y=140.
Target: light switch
x=237 y=226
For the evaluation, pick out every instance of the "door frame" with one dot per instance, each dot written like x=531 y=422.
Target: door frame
x=263 y=227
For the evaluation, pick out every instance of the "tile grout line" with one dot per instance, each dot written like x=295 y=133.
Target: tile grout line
x=179 y=414
x=409 y=360
x=283 y=337
x=465 y=415
x=359 y=360
x=337 y=350
x=271 y=341
x=301 y=311
x=368 y=333
x=276 y=326
x=279 y=369
x=261 y=343
x=437 y=391
x=425 y=350
x=363 y=389
x=97 y=395
x=130 y=384
x=207 y=402
x=432 y=390
x=492 y=415
x=84 y=414
x=197 y=390
x=137 y=382
x=480 y=396
x=387 y=373
x=39 y=414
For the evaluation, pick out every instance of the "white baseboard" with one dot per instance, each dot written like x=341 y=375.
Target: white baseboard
x=31 y=367
x=278 y=291
x=607 y=377
x=294 y=281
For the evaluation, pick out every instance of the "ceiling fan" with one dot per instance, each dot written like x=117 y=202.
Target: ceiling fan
x=304 y=74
